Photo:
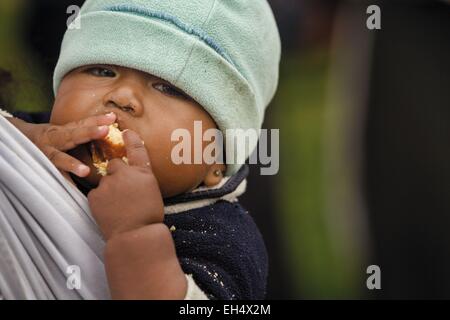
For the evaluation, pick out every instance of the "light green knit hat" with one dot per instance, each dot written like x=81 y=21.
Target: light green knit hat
x=225 y=54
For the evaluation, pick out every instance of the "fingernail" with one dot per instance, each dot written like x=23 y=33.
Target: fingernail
x=82 y=170
x=102 y=128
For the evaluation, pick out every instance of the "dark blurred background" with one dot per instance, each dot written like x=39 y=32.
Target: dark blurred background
x=364 y=119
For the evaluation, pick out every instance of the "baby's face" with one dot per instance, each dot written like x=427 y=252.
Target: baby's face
x=145 y=104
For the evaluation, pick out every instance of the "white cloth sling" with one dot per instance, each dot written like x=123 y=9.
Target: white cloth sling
x=47 y=233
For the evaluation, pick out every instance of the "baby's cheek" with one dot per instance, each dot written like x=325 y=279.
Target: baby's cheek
x=177 y=179
x=57 y=116
x=64 y=111
x=173 y=178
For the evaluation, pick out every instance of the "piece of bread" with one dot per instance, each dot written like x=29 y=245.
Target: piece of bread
x=110 y=147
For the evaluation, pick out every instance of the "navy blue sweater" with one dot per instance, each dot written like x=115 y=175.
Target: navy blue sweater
x=219 y=243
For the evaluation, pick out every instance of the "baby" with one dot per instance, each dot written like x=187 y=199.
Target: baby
x=172 y=231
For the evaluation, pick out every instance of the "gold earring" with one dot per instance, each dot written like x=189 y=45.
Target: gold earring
x=217 y=173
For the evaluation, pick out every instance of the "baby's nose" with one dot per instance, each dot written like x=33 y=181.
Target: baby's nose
x=125 y=99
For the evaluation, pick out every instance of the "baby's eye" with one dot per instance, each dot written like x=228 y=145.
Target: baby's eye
x=101 y=72
x=167 y=89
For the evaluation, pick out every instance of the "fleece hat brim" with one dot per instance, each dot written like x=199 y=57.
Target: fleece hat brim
x=162 y=45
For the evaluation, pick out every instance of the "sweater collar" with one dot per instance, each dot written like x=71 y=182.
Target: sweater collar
x=229 y=189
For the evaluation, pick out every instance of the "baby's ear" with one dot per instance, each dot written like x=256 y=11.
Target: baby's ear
x=214 y=175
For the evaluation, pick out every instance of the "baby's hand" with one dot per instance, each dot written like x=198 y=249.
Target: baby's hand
x=128 y=197
x=53 y=140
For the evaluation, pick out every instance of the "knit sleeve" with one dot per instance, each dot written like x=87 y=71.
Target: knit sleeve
x=221 y=247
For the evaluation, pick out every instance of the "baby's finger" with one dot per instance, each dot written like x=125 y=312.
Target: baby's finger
x=70 y=138
x=64 y=138
x=65 y=162
x=136 y=152
x=114 y=165
x=92 y=121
